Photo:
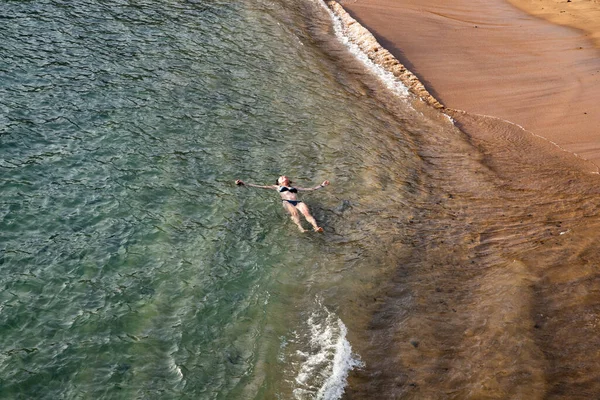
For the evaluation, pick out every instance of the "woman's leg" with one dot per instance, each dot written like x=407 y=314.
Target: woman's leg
x=306 y=212
x=294 y=214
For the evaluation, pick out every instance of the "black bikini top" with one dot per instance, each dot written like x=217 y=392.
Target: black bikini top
x=287 y=189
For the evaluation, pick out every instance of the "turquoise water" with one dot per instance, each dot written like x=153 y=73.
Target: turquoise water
x=132 y=267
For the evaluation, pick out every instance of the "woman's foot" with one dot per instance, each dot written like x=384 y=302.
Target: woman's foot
x=318 y=229
x=302 y=229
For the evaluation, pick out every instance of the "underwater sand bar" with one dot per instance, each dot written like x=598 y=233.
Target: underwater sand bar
x=489 y=57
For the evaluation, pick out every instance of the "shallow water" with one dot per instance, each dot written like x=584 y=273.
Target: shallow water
x=134 y=268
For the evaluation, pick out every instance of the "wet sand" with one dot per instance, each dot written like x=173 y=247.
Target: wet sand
x=488 y=57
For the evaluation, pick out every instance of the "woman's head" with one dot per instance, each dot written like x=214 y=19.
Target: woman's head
x=284 y=181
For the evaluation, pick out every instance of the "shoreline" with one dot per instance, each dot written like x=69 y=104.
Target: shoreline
x=379 y=55
x=542 y=77
x=494 y=233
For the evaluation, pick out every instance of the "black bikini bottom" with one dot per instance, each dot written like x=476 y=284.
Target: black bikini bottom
x=293 y=202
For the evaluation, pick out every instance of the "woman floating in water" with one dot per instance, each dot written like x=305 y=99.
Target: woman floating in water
x=290 y=200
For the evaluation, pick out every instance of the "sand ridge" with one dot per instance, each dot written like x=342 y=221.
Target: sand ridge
x=367 y=44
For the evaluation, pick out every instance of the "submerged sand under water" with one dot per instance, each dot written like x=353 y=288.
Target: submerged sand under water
x=484 y=271
x=495 y=292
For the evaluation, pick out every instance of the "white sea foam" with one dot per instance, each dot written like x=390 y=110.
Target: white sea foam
x=385 y=76
x=324 y=371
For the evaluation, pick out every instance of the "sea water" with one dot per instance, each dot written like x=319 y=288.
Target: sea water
x=133 y=267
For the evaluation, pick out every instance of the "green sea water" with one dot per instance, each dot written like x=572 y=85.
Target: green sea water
x=131 y=266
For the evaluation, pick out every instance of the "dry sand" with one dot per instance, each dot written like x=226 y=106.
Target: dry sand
x=579 y=14
x=489 y=57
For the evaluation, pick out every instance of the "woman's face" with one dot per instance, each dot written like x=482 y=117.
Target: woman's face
x=283 y=180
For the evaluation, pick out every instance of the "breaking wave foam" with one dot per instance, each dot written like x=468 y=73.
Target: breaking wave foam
x=324 y=371
x=363 y=45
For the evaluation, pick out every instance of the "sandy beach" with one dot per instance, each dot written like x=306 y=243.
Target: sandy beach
x=582 y=14
x=489 y=57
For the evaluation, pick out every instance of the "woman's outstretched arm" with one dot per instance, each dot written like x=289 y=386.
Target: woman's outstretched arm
x=239 y=182
x=325 y=183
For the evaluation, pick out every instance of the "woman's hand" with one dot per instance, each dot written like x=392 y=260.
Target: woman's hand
x=239 y=182
x=325 y=183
